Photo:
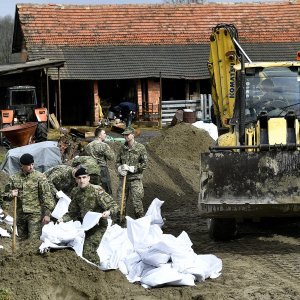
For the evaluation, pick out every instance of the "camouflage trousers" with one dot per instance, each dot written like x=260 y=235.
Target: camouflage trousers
x=91 y=243
x=134 y=191
x=29 y=225
x=105 y=179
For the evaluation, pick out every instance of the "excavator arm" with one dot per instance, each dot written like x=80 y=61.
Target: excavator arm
x=224 y=55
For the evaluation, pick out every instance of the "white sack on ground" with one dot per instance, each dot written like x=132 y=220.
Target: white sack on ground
x=69 y=234
x=8 y=220
x=63 y=235
x=4 y=233
x=154 y=258
x=114 y=248
x=141 y=251
x=211 y=128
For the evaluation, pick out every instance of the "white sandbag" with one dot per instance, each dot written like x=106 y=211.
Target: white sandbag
x=211 y=264
x=4 y=232
x=211 y=128
x=185 y=240
x=154 y=211
x=160 y=276
x=186 y=279
x=202 y=266
x=90 y=219
x=131 y=260
x=9 y=220
x=183 y=260
x=155 y=258
x=170 y=244
x=62 y=205
x=113 y=248
x=138 y=230
x=62 y=232
x=135 y=272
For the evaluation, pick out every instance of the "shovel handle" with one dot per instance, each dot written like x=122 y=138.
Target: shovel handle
x=14 y=224
x=123 y=198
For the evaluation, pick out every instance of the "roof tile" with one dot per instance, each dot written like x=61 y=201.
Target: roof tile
x=160 y=24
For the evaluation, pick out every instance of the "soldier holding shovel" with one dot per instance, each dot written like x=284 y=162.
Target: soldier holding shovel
x=131 y=162
x=34 y=200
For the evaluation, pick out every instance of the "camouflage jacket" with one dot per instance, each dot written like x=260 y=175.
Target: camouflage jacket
x=99 y=151
x=60 y=179
x=34 y=192
x=91 y=198
x=87 y=162
x=133 y=156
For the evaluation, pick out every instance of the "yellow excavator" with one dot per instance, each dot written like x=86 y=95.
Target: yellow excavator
x=254 y=170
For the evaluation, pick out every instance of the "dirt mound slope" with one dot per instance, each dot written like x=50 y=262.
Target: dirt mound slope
x=259 y=265
x=172 y=176
x=173 y=172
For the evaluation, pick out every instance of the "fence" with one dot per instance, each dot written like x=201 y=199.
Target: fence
x=201 y=106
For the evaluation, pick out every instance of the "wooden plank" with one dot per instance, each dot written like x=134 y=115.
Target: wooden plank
x=54 y=122
x=81 y=132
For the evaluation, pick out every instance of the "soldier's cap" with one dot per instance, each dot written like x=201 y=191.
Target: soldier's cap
x=81 y=171
x=26 y=159
x=128 y=130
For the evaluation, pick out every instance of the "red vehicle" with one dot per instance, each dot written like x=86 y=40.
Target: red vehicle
x=21 y=107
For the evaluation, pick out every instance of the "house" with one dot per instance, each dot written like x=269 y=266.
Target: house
x=143 y=53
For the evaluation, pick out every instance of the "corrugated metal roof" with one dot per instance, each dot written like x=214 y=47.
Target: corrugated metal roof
x=30 y=66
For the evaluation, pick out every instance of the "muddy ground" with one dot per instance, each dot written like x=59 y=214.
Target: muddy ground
x=262 y=263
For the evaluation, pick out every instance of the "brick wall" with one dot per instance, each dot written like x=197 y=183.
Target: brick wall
x=153 y=95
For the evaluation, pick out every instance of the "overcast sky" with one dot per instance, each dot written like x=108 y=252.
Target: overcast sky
x=7 y=7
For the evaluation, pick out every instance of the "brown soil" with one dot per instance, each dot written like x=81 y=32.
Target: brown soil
x=263 y=263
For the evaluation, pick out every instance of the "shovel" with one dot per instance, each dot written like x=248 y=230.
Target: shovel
x=122 y=199
x=14 y=224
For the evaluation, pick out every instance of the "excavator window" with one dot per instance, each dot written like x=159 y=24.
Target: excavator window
x=275 y=90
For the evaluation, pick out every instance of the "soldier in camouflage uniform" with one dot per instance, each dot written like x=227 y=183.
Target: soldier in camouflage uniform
x=101 y=152
x=131 y=162
x=34 y=199
x=91 y=165
x=88 y=197
x=61 y=178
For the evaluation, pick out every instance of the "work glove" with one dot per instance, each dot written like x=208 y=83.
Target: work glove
x=121 y=171
x=131 y=169
x=125 y=167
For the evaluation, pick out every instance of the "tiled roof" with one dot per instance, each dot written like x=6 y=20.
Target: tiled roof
x=71 y=25
x=129 y=62
x=140 y=41
x=142 y=61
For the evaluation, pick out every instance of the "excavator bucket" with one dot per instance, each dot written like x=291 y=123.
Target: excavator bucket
x=250 y=185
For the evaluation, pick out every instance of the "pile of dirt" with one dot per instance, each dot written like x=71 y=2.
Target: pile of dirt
x=173 y=172
x=172 y=175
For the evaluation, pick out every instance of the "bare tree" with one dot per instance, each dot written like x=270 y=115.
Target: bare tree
x=6 y=37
